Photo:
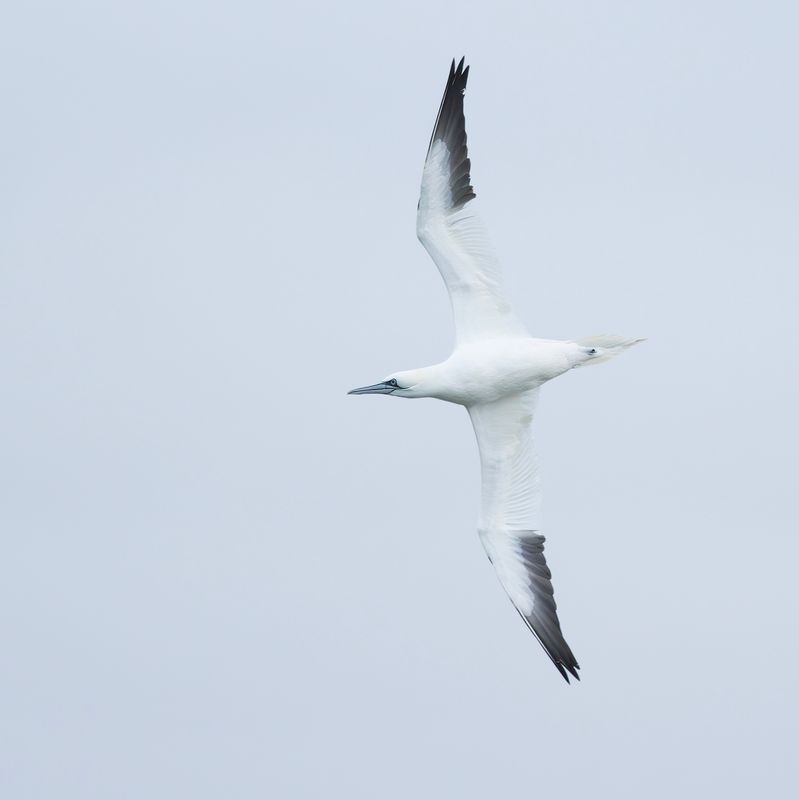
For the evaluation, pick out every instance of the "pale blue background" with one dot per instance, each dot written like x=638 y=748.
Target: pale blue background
x=221 y=577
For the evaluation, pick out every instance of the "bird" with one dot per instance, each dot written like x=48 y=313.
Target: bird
x=496 y=370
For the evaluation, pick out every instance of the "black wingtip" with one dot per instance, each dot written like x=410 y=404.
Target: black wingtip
x=542 y=621
x=572 y=670
x=563 y=667
x=450 y=128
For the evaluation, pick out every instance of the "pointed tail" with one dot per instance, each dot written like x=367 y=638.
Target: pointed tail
x=603 y=347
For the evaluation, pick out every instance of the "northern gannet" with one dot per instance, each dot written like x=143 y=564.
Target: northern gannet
x=496 y=370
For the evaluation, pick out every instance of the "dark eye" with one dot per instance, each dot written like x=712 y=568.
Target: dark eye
x=592 y=351
x=392 y=382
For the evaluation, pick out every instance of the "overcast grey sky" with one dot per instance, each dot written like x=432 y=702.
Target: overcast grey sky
x=221 y=577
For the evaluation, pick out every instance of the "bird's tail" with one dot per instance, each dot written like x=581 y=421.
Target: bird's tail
x=603 y=347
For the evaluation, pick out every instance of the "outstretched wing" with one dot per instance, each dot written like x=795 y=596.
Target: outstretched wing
x=509 y=524
x=453 y=234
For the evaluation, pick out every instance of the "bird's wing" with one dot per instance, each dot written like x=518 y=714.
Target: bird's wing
x=509 y=521
x=452 y=233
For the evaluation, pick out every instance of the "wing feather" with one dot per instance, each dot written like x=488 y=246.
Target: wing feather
x=509 y=523
x=452 y=233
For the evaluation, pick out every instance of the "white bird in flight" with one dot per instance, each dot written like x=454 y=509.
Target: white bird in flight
x=496 y=370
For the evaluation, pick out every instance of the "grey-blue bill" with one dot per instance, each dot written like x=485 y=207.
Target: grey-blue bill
x=384 y=387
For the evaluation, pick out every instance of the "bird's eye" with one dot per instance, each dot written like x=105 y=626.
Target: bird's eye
x=592 y=351
x=393 y=382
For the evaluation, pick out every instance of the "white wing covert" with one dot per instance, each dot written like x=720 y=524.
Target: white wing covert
x=509 y=524
x=453 y=234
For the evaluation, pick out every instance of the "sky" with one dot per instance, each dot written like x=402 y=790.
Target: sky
x=220 y=576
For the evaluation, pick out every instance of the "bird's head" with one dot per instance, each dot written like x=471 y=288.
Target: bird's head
x=410 y=383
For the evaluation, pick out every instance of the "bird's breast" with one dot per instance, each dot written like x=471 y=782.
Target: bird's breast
x=488 y=371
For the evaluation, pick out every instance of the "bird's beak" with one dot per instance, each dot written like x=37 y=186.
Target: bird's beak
x=375 y=388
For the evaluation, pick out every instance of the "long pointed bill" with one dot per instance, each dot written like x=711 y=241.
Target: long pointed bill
x=375 y=388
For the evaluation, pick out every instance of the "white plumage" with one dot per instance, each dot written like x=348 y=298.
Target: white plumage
x=495 y=371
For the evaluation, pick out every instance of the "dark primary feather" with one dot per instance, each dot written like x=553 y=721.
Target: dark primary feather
x=543 y=620
x=450 y=128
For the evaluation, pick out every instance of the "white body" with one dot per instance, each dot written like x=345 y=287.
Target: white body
x=486 y=370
